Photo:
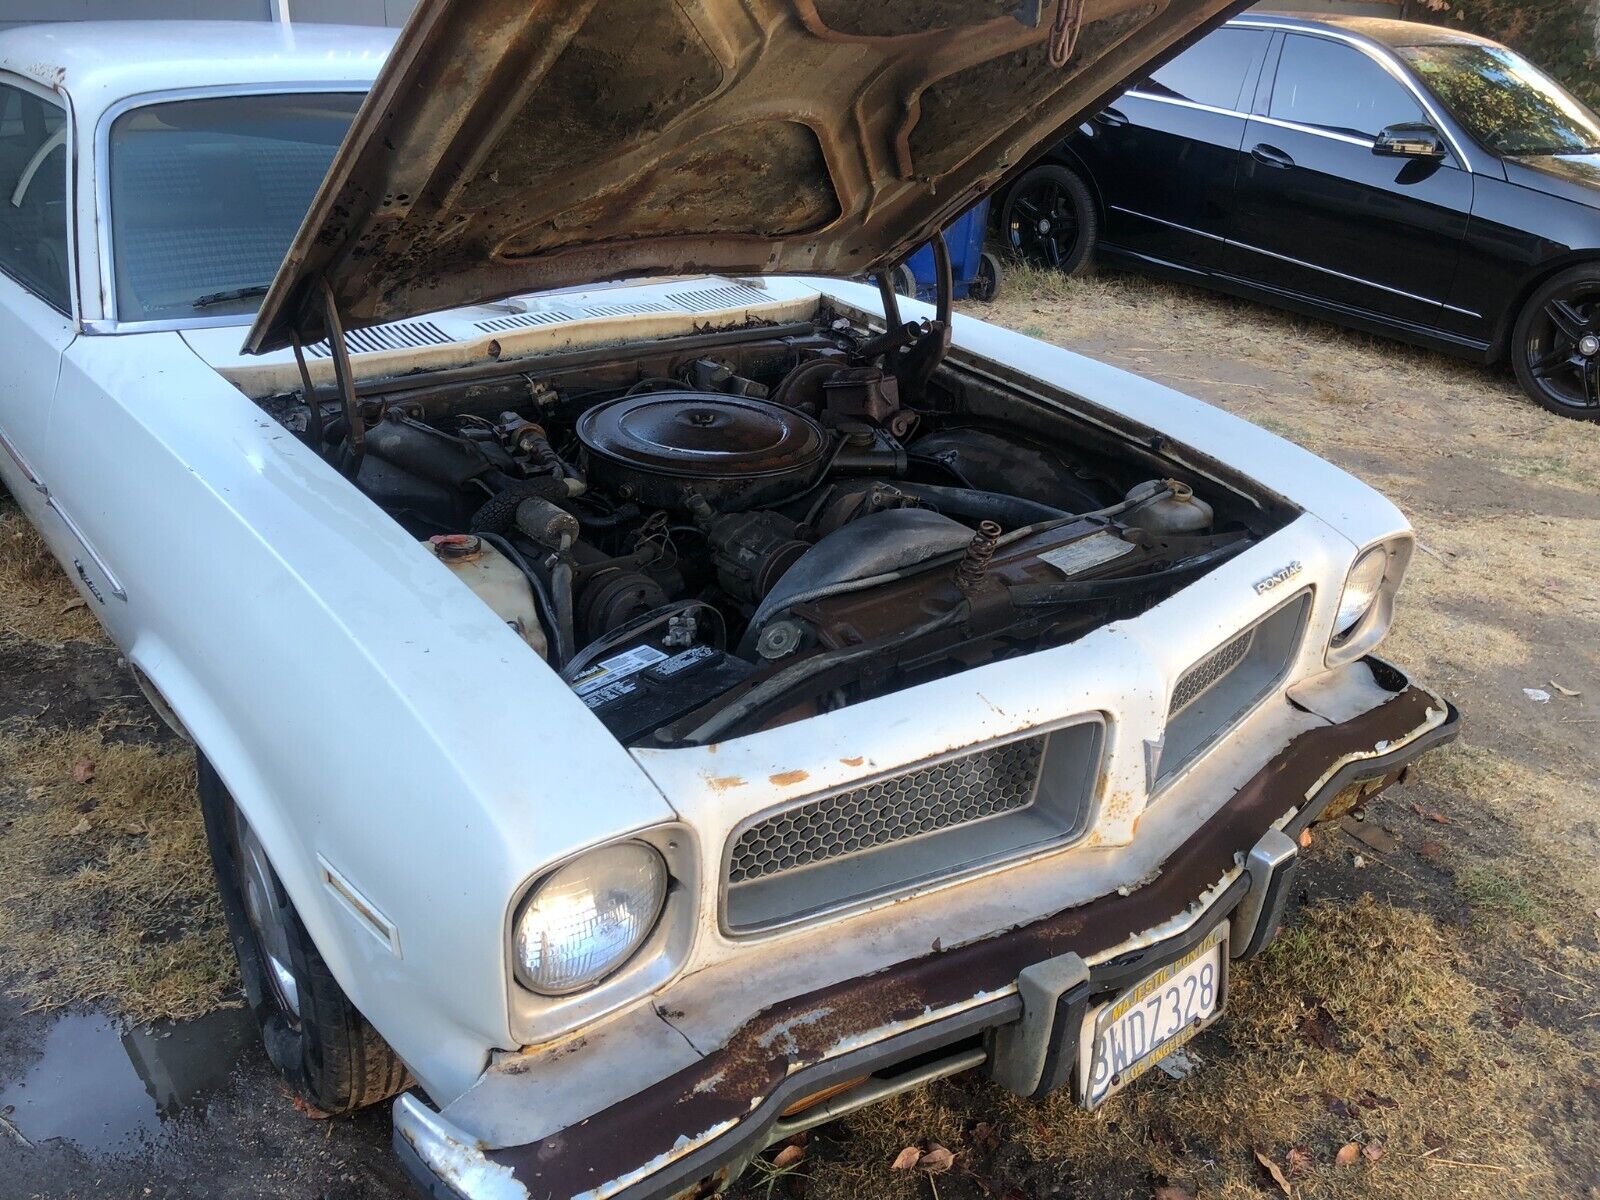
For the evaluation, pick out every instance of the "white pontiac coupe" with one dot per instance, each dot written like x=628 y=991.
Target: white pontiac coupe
x=655 y=718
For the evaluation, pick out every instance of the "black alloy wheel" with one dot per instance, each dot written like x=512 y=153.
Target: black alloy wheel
x=1049 y=219
x=1555 y=348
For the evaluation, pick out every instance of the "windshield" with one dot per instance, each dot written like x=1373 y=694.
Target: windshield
x=1504 y=101
x=206 y=196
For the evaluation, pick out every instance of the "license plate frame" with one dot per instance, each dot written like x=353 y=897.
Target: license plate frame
x=1094 y=1086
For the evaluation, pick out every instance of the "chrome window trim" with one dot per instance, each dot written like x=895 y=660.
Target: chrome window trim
x=1381 y=55
x=111 y=323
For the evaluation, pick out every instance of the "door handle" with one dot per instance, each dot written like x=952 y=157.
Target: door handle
x=1271 y=156
x=1110 y=118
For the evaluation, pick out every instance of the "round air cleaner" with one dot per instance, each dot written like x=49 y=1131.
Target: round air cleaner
x=659 y=448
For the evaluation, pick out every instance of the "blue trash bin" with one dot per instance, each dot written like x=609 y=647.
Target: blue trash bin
x=974 y=272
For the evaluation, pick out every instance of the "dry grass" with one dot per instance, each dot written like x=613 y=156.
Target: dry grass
x=36 y=600
x=1408 y=1057
x=106 y=892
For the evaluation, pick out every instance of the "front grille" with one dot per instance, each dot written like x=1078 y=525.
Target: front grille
x=932 y=823
x=953 y=792
x=1209 y=671
x=1215 y=693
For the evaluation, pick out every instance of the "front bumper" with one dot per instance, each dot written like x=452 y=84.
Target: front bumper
x=708 y=1119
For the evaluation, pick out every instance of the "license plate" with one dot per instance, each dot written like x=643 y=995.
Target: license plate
x=1125 y=1037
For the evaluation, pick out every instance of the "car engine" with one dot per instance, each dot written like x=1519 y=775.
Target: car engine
x=714 y=534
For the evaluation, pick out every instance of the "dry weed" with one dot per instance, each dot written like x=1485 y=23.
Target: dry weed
x=106 y=891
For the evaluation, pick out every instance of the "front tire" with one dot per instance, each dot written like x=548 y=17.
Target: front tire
x=1049 y=219
x=323 y=1047
x=1555 y=345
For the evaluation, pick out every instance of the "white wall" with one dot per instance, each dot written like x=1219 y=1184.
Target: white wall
x=359 y=12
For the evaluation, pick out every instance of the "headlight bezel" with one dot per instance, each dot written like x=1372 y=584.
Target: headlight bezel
x=658 y=889
x=1362 y=634
x=537 y=1017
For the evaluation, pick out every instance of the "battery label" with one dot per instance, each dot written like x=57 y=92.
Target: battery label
x=615 y=690
x=620 y=666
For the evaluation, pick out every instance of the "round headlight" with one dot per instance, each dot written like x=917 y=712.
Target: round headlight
x=584 y=920
x=1361 y=588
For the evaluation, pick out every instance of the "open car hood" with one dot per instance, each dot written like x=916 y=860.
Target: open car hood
x=519 y=145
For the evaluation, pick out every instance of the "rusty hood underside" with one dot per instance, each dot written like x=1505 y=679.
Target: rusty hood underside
x=518 y=145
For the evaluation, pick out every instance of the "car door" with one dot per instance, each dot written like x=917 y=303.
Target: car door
x=1320 y=214
x=36 y=325
x=1166 y=153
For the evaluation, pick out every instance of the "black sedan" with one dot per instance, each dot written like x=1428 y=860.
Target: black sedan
x=1399 y=178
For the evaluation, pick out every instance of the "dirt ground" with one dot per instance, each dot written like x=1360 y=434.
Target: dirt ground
x=1428 y=1027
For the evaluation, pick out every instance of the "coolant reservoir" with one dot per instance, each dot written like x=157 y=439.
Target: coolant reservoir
x=1178 y=510
x=498 y=582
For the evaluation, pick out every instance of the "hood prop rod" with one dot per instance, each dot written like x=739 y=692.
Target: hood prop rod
x=355 y=437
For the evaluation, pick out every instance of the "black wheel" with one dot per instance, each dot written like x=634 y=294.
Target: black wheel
x=985 y=284
x=1555 y=347
x=323 y=1047
x=1049 y=219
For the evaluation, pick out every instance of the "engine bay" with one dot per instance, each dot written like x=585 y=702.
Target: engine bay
x=712 y=534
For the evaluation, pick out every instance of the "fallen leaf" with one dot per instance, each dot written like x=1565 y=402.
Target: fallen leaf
x=1565 y=691
x=81 y=828
x=1436 y=818
x=1298 y=1160
x=1349 y=1155
x=906 y=1159
x=1275 y=1171
x=1372 y=836
x=985 y=1136
x=311 y=1110
x=1305 y=839
x=1430 y=852
x=1318 y=1028
x=1337 y=1106
x=1372 y=1151
x=83 y=770
x=1508 y=1007
x=936 y=1160
x=1371 y=1099
x=80 y=602
x=788 y=1157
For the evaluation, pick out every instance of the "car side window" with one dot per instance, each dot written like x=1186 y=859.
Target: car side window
x=1212 y=71
x=1332 y=86
x=33 y=195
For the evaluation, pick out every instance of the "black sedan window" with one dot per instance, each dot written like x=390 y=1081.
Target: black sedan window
x=1212 y=71
x=1332 y=86
x=1504 y=101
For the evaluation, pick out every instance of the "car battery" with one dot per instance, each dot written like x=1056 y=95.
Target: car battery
x=640 y=687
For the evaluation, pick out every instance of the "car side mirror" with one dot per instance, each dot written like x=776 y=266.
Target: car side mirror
x=1410 y=141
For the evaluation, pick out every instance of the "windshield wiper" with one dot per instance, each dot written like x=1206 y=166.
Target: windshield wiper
x=242 y=293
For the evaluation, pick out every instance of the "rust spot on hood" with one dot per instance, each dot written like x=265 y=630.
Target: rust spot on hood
x=788 y=778
x=852 y=762
x=723 y=783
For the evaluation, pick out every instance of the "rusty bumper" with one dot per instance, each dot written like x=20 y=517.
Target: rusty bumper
x=695 y=1124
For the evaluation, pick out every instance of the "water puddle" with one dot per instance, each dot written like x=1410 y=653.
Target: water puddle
x=105 y=1086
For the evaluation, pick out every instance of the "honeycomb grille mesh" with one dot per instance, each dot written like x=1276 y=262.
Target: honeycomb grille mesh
x=1210 y=671
x=954 y=792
